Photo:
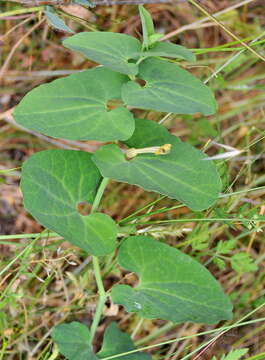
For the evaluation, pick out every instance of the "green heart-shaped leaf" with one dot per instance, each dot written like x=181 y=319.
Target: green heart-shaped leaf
x=73 y=340
x=173 y=286
x=182 y=174
x=117 y=342
x=113 y=50
x=168 y=88
x=167 y=49
x=75 y=107
x=53 y=183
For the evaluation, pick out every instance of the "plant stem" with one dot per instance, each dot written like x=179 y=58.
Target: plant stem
x=99 y=194
x=101 y=301
x=101 y=290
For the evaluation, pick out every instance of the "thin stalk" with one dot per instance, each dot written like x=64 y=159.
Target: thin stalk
x=141 y=209
x=8 y=243
x=159 y=211
x=241 y=192
x=101 y=301
x=99 y=195
x=22 y=11
x=228 y=46
x=30 y=236
x=232 y=220
x=101 y=290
